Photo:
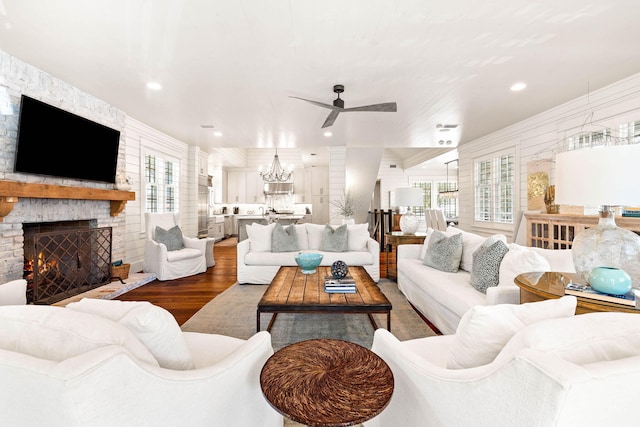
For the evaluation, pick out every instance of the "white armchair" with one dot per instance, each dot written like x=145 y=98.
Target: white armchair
x=13 y=292
x=574 y=371
x=183 y=256
x=116 y=363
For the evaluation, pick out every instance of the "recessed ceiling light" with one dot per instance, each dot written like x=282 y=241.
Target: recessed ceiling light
x=518 y=86
x=206 y=126
x=327 y=134
x=217 y=133
x=154 y=86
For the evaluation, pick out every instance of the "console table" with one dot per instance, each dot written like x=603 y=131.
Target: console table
x=396 y=239
x=540 y=286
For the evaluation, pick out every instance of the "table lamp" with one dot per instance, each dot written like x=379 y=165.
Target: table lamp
x=604 y=176
x=409 y=196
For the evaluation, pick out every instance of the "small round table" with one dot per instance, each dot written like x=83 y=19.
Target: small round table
x=327 y=382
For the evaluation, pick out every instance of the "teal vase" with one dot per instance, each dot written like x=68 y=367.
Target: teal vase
x=610 y=280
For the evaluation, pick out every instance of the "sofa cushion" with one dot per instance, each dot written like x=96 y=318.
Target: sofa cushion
x=260 y=236
x=284 y=239
x=444 y=252
x=520 y=259
x=357 y=237
x=484 y=330
x=303 y=239
x=184 y=253
x=471 y=243
x=425 y=244
x=55 y=333
x=485 y=271
x=171 y=238
x=314 y=234
x=154 y=326
x=334 y=240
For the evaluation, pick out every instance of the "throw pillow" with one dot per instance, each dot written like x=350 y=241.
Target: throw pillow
x=425 y=245
x=520 y=259
x=259 y=236
x=444 y=252
x=55 y=333
x=154 y=326
x=334 y=240
x=485 y=271
x=484 y=330
x=357 y=237
x=171 y=238
x=284 y=239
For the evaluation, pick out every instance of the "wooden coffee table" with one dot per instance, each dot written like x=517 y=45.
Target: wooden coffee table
x=291 y=291
x=328 y=383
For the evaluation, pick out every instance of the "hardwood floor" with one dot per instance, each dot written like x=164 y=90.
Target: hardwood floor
x=184 y=297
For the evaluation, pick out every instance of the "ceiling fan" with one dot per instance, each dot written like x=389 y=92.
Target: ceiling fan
x=338 y=106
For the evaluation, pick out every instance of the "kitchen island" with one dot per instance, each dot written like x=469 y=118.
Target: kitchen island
x=243 y=220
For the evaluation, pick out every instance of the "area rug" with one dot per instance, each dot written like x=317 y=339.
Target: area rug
x=233 y=313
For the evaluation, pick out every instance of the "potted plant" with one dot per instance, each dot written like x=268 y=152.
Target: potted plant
x=346 y=205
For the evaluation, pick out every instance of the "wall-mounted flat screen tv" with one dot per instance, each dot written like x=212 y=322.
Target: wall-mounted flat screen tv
x=55 y=142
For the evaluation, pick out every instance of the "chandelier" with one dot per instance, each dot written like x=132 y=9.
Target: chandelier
x=276 y=172
x=451 y=191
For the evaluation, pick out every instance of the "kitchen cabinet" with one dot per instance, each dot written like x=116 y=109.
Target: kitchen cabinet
x=236 y=186
x=302 y=186
x=319 y=182
x=254 y=188
x=228 y=226
x=320 y=209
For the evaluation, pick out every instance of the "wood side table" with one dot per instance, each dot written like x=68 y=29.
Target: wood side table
x=396 y=239
x=327 y=383
x=540 y=286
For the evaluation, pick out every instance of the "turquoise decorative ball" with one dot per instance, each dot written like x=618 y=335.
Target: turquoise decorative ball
x=339 y=269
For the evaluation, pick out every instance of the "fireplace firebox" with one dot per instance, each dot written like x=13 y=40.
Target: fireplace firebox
x=64 y=259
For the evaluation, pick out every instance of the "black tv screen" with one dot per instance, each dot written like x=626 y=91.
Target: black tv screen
x=58 y=143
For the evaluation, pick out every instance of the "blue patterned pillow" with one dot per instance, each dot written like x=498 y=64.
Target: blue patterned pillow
x=171 y=238
x=485 y=270
x=334 y=240
x=444 y=253
x=284 y=239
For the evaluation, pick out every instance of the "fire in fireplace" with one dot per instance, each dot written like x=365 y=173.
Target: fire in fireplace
x=64 y=259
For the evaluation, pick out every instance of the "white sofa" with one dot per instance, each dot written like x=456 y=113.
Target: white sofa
x=580 y=370
x=115 y=363
x=258 y=264
x=443 y=297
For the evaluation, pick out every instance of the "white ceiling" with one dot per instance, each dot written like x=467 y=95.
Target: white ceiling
x=235 y=64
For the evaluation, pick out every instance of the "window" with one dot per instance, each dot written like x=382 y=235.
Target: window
x=161 y=179
x=426 y=198
x=494 y=189
x=448 y=202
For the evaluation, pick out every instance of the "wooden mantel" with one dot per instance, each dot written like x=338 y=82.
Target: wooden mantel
x=11 y=191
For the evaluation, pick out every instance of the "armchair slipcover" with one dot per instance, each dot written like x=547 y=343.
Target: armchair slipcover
x=581 y=370
x=65 y=367
x=13 y=292
x=172 y=264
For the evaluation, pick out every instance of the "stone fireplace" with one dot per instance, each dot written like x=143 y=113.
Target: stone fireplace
x=65 y=258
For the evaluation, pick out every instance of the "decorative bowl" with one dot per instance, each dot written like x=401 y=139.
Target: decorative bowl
x=610 y=280
x=308 y=262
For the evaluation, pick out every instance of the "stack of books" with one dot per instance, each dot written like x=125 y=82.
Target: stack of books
x=585 y=291
x=346 y=285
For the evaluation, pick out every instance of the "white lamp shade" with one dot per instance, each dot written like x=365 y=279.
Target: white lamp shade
x=606 y=175
x=409 y=196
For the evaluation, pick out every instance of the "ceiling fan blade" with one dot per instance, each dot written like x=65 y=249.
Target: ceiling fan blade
x=331 y=118
x=385 y=107
x=319 y=104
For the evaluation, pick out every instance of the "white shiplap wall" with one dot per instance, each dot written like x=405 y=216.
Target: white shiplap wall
x=139 y=137
x=541 y=137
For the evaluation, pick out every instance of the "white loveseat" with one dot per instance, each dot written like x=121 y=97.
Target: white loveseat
x=444 y=297
x=564 y=371
x=258 y=264
x=115 y=363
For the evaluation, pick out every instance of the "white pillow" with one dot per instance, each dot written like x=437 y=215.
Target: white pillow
x=357 y=237
x=260 y=236
x=154 y=326
x=484 y=330
x=314 y=234
x=425 y=245
x=471 y=243
x=520 y=259
x=55 y=333
x=303 y=240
